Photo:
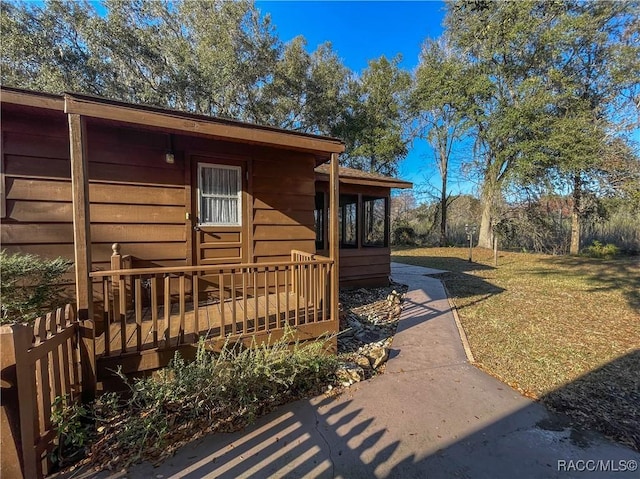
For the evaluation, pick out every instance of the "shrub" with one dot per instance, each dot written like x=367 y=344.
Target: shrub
x=404 y=235
x=599 y=250
x=72 y=424
x=30 y=286
x=215 y=392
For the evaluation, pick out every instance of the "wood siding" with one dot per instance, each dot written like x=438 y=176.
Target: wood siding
x=283 y=202
x=138 y=199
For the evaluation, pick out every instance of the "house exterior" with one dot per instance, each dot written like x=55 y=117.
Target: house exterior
x=182 y=226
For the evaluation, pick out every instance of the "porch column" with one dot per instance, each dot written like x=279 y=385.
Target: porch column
x=334 y=246
x=82 y=249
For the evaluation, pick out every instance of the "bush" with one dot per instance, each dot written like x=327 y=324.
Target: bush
x=404 y=236
x=30 y=286
x=216 y=392
x=71 y=422
x=599 y=250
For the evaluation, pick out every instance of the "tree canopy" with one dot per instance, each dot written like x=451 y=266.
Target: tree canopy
x=547 y=91
x=217 y=58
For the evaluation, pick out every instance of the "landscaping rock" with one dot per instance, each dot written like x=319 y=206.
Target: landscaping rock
x=368 y=336
x=378 y=356
x=349 y=373
x=362 y=361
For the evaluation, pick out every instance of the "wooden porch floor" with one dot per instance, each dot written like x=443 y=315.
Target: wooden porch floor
x=240 y=317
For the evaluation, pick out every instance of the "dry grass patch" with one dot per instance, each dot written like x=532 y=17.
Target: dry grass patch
x=564 y=330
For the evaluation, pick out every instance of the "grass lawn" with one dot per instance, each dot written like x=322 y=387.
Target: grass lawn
x=565 y=330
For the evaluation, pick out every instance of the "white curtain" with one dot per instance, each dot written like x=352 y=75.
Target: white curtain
x=219 y=195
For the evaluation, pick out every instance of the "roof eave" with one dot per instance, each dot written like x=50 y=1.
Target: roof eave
x=384 y=183
x=183 y=123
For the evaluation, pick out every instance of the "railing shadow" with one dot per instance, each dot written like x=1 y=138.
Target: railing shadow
x=475 y=433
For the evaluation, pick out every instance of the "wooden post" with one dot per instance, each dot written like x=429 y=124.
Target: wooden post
x=27 y=397
x=334 y=247
x=10 y=437
x=116 y=264
x=82 y=250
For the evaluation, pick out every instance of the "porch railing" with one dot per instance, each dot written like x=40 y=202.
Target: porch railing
x=156 y=308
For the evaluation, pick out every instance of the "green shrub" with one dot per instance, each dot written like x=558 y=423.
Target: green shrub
x=215 y=392
x=72 y=424
x=30 y=286
x=599 y=250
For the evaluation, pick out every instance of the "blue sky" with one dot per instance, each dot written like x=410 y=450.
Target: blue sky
x=361 y=31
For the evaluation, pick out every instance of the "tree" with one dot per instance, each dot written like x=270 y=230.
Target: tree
x=597 y=61
x=504 y=44
x=48 y=47
x=551 y=82
x=438 y=101
x=307 y=91
x=211 y=57
x=373 y=122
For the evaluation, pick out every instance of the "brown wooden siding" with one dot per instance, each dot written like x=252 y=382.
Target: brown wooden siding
x=137 y=199
x=283 y=202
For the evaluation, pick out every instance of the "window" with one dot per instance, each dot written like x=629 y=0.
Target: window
x=219 y=195
x=319 y=217
x=374 y=222
x=348 y=221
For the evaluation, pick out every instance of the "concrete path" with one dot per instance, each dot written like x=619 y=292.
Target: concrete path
x=431 y=415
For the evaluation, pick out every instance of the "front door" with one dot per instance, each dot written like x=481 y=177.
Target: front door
x=220 y=231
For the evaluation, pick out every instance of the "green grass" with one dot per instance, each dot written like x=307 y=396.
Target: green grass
x=565 y=330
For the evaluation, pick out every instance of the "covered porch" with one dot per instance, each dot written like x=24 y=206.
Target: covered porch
x=136 y=318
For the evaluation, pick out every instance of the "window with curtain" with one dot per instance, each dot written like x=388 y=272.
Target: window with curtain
x=374 y=222
x=220 y=195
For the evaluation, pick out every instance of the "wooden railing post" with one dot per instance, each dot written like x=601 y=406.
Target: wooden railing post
x=82 y=248
x=334 y=247
x=116 y=263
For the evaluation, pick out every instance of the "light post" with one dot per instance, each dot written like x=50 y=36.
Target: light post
x=470 y=230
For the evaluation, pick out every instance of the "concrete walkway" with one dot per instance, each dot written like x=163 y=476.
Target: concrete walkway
x=431 y=415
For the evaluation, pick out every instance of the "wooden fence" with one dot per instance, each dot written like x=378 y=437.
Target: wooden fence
x=47 y=365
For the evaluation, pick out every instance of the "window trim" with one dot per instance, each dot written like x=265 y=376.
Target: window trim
x=201 y=166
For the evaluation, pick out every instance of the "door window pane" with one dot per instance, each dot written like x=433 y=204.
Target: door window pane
x=220 y=195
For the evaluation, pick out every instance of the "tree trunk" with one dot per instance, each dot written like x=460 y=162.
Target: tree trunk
x=443 y=212
x=485 y=234
x=575 y=215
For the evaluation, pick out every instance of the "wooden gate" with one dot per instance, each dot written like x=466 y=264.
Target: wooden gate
x=47 y=360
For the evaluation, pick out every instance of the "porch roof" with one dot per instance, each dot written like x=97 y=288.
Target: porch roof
x=359 y=177
x=162 y=118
